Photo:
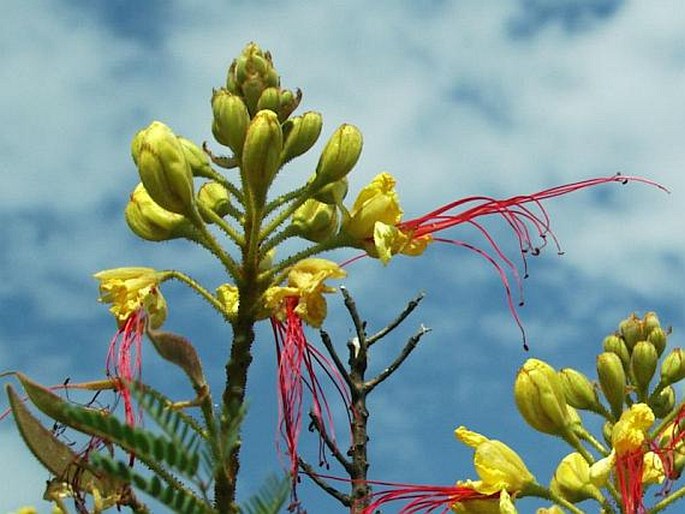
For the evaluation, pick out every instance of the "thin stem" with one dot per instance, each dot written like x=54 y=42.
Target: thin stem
x=587 y=436
x=397 y=321
x=539 y=491
x=209 y=241
x=338 y=495
x=195 y=286
x=221 y=223
x=671 y=498
x=283 y=199
x=330 y=444
x=326 y=340
x=300 y=196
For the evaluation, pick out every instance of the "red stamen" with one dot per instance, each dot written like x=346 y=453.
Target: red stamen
x=293 y=351
x=629 y=468
x=119 y=365
x=526 y=223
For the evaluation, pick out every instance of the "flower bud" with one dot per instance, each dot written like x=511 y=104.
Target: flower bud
x=540 y=397
x=615 y=344
x=269 y=99
x=214 y=197
x=333 y=193
x=315 y=221
x=163 y=168
x=578 y=390
x=196 y=157
x=339 y=155
x=612 y=380
x=231 y=120
x=261 y=153
x=643 y=364
x=663 y=403
x=658 y=338
x=227 y=294
x=250 y=74
x=572 y=480
x=299 y=134
x=650 y=321
x=149 y=221
x=673 y=367
x=631 y=330
x=288 y=102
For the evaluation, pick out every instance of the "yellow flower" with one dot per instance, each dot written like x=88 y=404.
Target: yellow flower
x=504 y=505
x=389 y=240
x=630 y=432
x=652 y=469
x=130 y=289
x=305 y=281
x=498 y=466
x=377 y=202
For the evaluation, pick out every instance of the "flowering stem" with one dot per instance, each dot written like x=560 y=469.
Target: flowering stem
x=209 y=241
x=195 y=286
x=221 y=223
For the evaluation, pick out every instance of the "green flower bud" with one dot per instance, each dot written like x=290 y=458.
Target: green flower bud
x=196 y=157
x=673 y=367
x=163 y=168
x=663 y=403
x=572 y=480
x=231 y=120
x=262 y=153
x=578 y=390
x=149 y=221
x=612 y=380
x=250 y=74
x=339 y=155
x=288 y=102
x=315 y=221
x=658 y=338
x=300 y=133
x=650 y=321
x=643 y=364
x=615 y=344
x=540 y=397
x=333 y=193
x=632 y=331
x=214 y=197
x=269 y=99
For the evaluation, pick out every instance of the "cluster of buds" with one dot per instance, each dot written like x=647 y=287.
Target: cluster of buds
x=642 y=431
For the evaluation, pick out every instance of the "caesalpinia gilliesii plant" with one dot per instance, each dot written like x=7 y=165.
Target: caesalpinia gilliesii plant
x=185 y=194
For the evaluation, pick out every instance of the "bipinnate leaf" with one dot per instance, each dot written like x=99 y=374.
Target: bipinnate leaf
x=178 y=350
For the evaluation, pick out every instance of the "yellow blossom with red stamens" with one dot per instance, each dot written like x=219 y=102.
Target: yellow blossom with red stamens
x=131 y=288
x=630 y=432
x=306 y=282
x=498 y=466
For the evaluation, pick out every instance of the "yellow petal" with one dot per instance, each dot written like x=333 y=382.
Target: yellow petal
x=630 y=431
x=377 y=202
x=468 y=437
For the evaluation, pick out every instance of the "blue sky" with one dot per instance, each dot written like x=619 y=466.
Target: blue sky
x=454 y=98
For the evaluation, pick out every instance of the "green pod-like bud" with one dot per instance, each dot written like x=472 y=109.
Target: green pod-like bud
x=333 y=193
x=657 y=336
x=149 y=221
x=262 y=153
x=163 y=168
x=288 y=102
x=214 y=197
x=617 y=345
x=612 y=380
x=643 y=362
x=673 y=367
x=250 y=74
x=315 y=221
x=231 y=120
x=340 y=154
x=631 y=329
x=578 y=390
x=299 y=134
x=269 y=99
x=572 y=480
x=197 y=158
x=540 y=398
x=650 y=321
x=663 y=403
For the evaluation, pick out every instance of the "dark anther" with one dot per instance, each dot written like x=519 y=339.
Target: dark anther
x=561 y=252
x=535 y=251
x=312 y=426
x=521 y=303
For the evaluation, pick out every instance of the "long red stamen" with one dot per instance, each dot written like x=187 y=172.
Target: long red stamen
x=294 y=352
x=124 y=366
x=629 y=468
x=527 y=222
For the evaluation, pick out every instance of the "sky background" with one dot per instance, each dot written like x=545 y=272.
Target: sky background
x=454 y=98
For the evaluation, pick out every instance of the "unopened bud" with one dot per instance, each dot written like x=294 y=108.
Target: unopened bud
x=269 y=99
x=250 y=74
x=163 y=168
x=578 y=390
x=617 y=345
x=333 y=193
x=196 y=157
x=261 y=153
x=540 y=397
x=149 y=221
x=643 y=364
x=650 y=322
x=231 y=120
x=315 y=221
x=663 y=403
x=339 y=155
x=673 y=367
x=288 y=102
x=631 y=330
x=299 y=134
x=572 y=480
x=612 y=380
x=214 y=197
x=658 y=338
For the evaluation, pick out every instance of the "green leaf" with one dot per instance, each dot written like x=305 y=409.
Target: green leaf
x=270 y=497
